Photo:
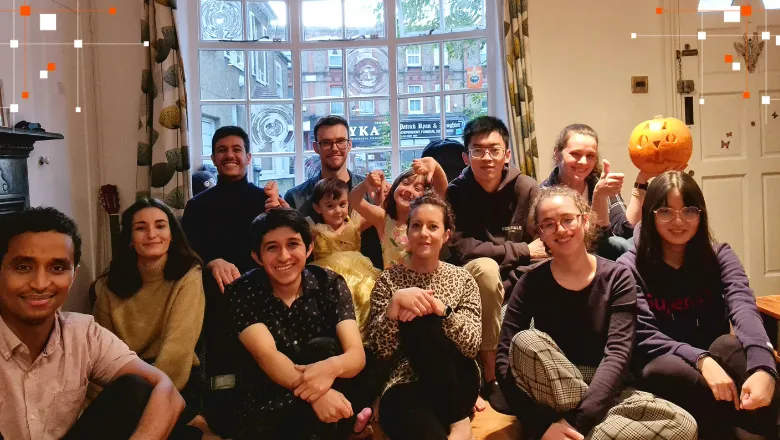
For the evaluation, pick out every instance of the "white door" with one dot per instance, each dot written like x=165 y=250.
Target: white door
x=736 y=157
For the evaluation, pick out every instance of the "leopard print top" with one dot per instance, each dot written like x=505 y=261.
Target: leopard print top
x=453 y=285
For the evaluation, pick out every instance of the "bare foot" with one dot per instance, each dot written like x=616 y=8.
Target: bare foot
x=363 y=418
x=461 y=430
x=481 y=405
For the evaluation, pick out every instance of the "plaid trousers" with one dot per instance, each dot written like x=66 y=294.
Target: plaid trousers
x=541 y=370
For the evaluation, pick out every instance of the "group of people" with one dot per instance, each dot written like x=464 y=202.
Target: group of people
x=261 y=316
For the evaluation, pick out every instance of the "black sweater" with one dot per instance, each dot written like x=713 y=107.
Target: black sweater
x=593 y=327
x=217 y=221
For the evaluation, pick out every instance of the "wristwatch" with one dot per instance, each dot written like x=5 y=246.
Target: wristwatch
x=642 y=186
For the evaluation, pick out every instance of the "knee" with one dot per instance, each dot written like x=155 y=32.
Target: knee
x=528 y=342
x=668 y=372
x=725 y=346
x=487 y=274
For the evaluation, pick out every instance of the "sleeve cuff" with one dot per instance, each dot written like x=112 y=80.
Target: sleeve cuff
x=760 y=358
x=689 y=353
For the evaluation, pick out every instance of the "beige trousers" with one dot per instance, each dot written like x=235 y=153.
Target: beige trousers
x=487 y=274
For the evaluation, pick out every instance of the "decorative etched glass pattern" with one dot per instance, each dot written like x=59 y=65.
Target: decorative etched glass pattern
x=322 y=20
x=221 y=20
x=365 y=18
x=464 y=14
x=367 y=73
x=272 y=128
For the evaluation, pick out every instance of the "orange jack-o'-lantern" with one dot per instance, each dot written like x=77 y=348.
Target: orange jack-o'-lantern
x=660 y=144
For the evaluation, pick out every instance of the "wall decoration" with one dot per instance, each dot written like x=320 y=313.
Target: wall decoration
x=750 y=49
x=728 y=135
x=725 y=144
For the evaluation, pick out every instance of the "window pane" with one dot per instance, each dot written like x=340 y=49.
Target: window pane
x=281 y=169
x=407 y=156
x=363 y=163
x=464 y=14
x=272 y=128
x=312 y=166
x=218 y=115
x=417 y=64
x=312 y=112
x=317 y=75
x=322 y=20
x=221 y=20
x=420 y=122
x=365 y=18
x=222 y=74
x=466 y=69
x=464 y=107
x=267 y=20
x=367 y=73
x=265 y=66
x=416 y=17
x=369 y=129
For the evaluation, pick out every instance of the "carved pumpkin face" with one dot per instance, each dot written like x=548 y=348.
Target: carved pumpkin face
x=660 y=144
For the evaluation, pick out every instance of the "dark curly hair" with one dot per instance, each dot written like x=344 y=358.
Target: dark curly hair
x=582 y=205
x=43 y=219
x=434 y=199
x=330 y=187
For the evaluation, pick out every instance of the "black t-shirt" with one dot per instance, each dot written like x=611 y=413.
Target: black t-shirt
x=593 y=327
x=324 y=302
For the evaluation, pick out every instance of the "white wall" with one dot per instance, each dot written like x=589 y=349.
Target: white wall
x=582 y=60
x=67 y=183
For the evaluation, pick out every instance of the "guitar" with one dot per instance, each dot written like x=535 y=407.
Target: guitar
x=109 y=200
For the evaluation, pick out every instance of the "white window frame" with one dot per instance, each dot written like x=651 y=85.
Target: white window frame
x=190 y=26
x=415 y=55
x=207 y=120
x=436 y=55
x=278 y=77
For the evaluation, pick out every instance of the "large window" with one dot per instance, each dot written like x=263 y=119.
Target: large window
x=385 y=65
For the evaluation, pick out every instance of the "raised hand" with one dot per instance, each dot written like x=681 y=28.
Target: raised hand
x=609 y=183
x=375 y=179
x=223 y=272
x=425 y=166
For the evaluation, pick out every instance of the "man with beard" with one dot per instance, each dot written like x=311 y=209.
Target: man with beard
x=216 y=223
x=332 y=144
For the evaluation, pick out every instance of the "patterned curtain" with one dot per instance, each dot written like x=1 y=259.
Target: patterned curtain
x=163 y=148
x=520 y=93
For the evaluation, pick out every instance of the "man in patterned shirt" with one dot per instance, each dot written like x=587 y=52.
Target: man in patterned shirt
x=298 y=324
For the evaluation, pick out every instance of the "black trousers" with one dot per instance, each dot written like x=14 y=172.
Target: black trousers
x=116 y=411
x=299 y=421
x=672 y=378
x=445 y=392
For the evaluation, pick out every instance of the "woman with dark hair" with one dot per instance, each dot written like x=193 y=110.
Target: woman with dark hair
x=568 y=335
x=691 y=292
x=577 y=165
x=426 y=318
x=152 y=297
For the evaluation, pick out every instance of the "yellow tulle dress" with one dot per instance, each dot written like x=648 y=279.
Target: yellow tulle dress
x=340 y=252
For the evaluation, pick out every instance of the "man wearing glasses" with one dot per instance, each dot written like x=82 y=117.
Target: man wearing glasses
x=332 y=144
x=491 y=200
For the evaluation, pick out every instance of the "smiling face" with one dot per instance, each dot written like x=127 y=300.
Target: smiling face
x=562 y=213
x=578 y=158
x=487 y=168
x=427 y=233
x=677 y=231
x=283 y=255
x=151 y=236
x=35 y=276
x=231 y=158
x=333 y=211
x=408 y=189
x=333 y=159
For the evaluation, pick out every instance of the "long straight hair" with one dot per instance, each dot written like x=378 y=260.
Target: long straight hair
x=124 y=278
x=699 y=252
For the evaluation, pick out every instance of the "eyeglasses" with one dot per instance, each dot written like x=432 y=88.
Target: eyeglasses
x=341 y=144
x=689 y=214
x=479 y=153
x=568 y=221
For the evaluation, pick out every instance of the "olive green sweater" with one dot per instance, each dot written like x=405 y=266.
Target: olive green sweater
x=161 y=322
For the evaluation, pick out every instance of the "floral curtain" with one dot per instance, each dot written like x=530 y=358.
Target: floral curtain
x=519 y=90
x=163 y=162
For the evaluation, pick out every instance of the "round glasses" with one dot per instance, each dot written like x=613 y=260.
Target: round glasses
x=479 y=153
x=327 y=145
x=665 y=215
x=568 y=221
